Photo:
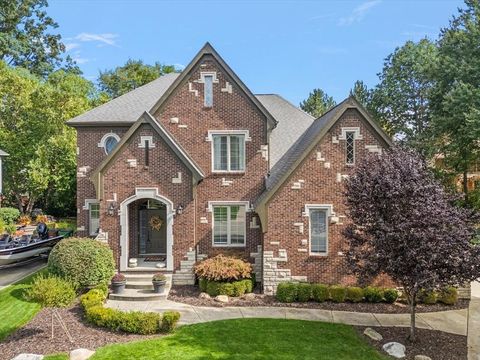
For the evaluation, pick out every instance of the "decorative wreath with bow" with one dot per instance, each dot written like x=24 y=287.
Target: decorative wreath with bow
x=156 y=223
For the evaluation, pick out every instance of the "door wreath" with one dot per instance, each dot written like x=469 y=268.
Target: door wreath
x=155 y=223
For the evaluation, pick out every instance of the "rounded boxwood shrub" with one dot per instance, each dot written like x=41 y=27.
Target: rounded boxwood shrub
x=390 y=295
x=354 y=294
x=287 y=292
x=428 y=297
x=337 y=293
x=448 y=296
x=373 y=294
x=304 y=292
x=223 y=268
x=320 y=292
x=235 y=288
x=83 y=261
x=169 y=321
x=51 y=291
x=202 y=284
x=9 y=215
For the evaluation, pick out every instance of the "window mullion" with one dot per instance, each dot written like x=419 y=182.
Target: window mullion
x=228 y=153
x=229 y=230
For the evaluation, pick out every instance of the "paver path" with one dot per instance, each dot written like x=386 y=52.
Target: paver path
x=452 y=321
x=474 y=323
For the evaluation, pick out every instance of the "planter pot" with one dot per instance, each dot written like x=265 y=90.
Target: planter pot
x=118 y=287
x=158 y=286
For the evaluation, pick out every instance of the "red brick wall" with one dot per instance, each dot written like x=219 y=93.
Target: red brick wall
x=320 y=187
x=230 y=111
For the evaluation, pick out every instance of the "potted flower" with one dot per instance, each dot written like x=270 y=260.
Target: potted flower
x=118 y=283
x=159 y=280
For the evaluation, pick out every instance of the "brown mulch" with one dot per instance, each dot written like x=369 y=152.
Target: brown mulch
x=35 y=337
x=188 y=294
x=437 y=345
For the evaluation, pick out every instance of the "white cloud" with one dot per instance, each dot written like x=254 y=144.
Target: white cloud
x=78 y=58
x=71 y=46
x=107 y=38
x=358 y=13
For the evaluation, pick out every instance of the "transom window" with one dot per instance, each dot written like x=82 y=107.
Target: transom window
x=229 y=153
x=318 y=230
x=350 y=147
x=94 y=218
x=208 y=90
x=229 y=224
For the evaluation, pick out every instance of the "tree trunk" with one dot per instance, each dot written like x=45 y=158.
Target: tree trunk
x=413 y=306
x=465 y=185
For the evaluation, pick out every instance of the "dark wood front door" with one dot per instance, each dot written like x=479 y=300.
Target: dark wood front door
x=153 y=231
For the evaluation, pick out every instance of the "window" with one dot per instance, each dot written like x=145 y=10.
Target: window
x=208 y=90
x=350 y=147
x=318 y=231
x=229 y=224
x=229 y=153
x=110 y=144
x=94 y=219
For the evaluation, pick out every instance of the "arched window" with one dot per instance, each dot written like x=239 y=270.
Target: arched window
x=108 y=142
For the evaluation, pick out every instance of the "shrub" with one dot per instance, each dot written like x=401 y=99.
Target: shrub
x=320 y=292
x=103 y=317
x=249 y=284
x=449 y=295
x=83 y=261
x=169 y=321
x=390 y=295
x=159 y=277
x=239 y=287
x=24 y=220
x=428 y=297
x=223 y=268
x=337 y=293
x=202 y=284
x=354 y=294
x=373 y=294
x=212 y=288
x=225 y=288
x=9 y=215
x=94 y=297
x=287 y=292
x=10 y=228
x=304 y=292
x=51 y=291
x=102 y=288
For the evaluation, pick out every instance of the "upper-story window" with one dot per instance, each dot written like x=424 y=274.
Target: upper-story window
x=109 y=142
x=208 y=90
x=229 y=152
x=350 y=147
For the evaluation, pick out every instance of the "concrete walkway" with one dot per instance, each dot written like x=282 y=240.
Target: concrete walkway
x=452 y=321
x=14 y=274
x=474 y=323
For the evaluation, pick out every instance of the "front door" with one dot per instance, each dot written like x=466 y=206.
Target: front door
x=152 y=228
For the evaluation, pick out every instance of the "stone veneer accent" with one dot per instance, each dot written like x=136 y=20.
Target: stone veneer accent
x=272 y=274
x=257 y=263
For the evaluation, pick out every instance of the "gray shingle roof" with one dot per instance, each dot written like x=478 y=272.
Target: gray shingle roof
x=292 y=122
x=128 y=107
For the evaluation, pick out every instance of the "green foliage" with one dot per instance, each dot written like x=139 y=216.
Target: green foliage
x=320 y=292
x=202 y=284
x=240 y=287
x=373 y=294
x=234 y=288
x=428 y=297
x=10 y=229
x=304 y=292
x=361 y=92
x=2 y=226
x=95 y=297
x=317 y=103
x=223 y=268
x=390 y=295
x=338 y=293
x=448 y=296
x=83 y=261
x=51 y=291
x=354 y=294
x=287 y=292
x=9 y=215
x=169 y=321
x=130 y=76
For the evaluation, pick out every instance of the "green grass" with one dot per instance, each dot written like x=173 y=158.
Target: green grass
x=14 y=310
x=56 y=357
x=249 y=339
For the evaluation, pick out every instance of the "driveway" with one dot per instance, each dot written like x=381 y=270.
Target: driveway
x=14 y=274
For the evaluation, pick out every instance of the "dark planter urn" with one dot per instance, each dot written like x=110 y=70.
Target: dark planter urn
x=118 y=287
x=158 y=286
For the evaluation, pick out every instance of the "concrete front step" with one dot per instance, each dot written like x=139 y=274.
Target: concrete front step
x=145 y=285
x=139 y=295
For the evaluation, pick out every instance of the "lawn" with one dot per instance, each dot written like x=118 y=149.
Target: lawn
x=14 y=310
x=249 y=339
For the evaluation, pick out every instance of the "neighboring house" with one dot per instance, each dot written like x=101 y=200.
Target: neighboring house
x=193 y=164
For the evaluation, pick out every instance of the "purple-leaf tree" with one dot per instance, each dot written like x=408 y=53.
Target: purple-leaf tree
x=405 y=225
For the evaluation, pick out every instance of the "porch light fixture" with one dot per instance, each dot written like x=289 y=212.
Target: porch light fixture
x=111 y=208
x=179 y=210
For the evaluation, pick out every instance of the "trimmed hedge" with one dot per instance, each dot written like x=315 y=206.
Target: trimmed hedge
x=338 y=293
x=373 y=294
x=235 y=288
x=354 y=294
x=51 y=291
x=320 y=292
x=428 y=297
x=390 y=295
x=83 y=261
x=134 y=322
x=448 y=296
x=287 y=292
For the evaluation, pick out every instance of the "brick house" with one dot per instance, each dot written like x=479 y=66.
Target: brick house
x=193 y=164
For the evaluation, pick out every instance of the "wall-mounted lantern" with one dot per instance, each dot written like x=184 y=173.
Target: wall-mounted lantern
x=111 y=208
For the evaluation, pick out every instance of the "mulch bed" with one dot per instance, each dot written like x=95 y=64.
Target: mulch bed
x=435 y=344
x=188 y=294
x=35 y=337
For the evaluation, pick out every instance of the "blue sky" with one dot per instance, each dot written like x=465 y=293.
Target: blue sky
x=284 y=47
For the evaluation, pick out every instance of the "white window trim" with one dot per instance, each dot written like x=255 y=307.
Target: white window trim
x=329 y=210
x=144 y=139
x=102 y=142
x=354 y=148
x=211 y=204
x=354 y=129
x=212 y=133
x=207 y=73
x=90 y=231
x=87 y=202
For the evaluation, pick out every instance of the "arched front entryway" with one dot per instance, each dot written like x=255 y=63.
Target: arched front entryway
x=150 y=239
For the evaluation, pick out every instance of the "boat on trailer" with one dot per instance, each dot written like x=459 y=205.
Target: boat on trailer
x=19 y=249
